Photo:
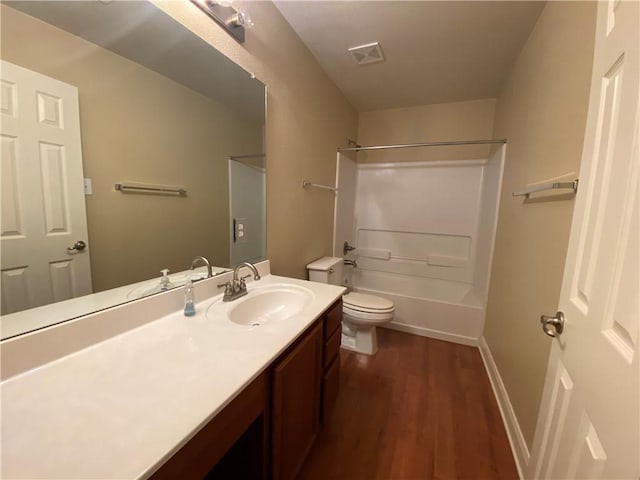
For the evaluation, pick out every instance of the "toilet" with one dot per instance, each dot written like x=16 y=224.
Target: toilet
x=361 y=313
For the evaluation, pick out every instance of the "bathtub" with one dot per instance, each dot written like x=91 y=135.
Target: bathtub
x=441 y=309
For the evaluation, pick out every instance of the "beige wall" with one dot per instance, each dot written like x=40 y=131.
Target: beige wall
x=542 y=112
x=307 y=119
x=140 y=126
x=471 y=120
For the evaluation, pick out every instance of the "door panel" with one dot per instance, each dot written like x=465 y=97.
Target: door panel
x=43 y=209
x=11 y=221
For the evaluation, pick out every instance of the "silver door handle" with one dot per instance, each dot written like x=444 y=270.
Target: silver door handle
x=553 y=325
x=78 y=246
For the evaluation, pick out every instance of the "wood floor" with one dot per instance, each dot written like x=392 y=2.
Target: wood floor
x=419 y=409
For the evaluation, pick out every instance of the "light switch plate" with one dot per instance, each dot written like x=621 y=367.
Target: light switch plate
x=88 y=187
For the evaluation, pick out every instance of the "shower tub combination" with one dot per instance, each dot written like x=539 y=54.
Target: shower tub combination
x=424 y=235
x=433 y=308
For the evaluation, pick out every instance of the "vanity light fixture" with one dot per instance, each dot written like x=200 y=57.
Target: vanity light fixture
x=232 y=20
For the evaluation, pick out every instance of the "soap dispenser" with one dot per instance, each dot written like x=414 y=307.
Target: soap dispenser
x=189 y=307
x=165 y=283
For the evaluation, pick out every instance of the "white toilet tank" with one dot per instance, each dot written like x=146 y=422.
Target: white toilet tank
x=326 y=270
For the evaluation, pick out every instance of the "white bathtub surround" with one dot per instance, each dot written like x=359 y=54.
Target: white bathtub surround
x=453 y=312
x=120 y=407
x=344 y=206
x=488 y=221
x=424 y=233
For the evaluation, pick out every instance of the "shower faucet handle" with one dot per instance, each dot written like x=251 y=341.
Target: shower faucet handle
x=347 y=248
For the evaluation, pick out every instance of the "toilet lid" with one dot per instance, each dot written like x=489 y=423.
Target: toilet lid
x=371 y=303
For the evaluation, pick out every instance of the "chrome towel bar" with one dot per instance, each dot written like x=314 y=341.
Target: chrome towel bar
x=155 y=189
x=547 y=186
x=306 y=184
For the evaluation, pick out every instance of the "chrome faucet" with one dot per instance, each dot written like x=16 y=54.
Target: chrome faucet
x=237 y=287
x=346 y=248
x=204 y=261
x=353 y=263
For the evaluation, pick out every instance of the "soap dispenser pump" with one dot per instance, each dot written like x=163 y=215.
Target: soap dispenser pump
x=189 y=307
x=165 y=282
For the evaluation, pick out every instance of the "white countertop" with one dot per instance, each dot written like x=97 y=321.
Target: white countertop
x=122 y=407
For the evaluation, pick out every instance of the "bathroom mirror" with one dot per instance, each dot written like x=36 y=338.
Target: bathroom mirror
x=159 y=108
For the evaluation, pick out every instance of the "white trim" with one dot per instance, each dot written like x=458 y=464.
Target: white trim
x=494 y=228
x=516 y=439
x=424 y=164
x=437 y=334
x=335 y=207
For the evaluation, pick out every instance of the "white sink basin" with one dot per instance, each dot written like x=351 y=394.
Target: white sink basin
x=264 y=304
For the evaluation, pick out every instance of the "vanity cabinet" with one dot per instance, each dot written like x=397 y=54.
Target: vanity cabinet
x=296 y=404
x=221 y=447
x=305 y=386
x=269 y=428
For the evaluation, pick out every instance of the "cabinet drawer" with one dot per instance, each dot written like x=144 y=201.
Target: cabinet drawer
x=332 y=347
x=330 y=388
x=333 y=319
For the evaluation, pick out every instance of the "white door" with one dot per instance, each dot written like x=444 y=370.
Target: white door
x=43 y=209
x=589 y=423
x=248 y=215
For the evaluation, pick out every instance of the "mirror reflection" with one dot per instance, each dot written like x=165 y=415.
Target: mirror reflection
x=99 y=94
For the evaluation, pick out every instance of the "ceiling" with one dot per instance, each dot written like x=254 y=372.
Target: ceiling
x=435 y=51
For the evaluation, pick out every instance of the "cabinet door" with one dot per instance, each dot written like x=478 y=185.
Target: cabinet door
x=296 y=404
x=330 y=387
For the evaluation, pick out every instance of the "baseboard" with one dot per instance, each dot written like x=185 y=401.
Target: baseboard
x=516 y=439
x=437 y=334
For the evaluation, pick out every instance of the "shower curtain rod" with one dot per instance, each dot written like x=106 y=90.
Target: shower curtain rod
x=357 y=148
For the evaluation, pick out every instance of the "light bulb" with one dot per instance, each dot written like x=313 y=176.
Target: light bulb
x=240 y=19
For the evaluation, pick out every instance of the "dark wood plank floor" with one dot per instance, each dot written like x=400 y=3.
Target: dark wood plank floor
x=419 y=409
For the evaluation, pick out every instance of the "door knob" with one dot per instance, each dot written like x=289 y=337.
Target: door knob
x=78 y=246
x=553 y=325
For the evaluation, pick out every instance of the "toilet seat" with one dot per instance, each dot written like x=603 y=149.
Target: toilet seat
x=366 y=310
x=362 y=303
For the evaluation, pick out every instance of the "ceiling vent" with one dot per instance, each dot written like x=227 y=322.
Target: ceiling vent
x=369 y=53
